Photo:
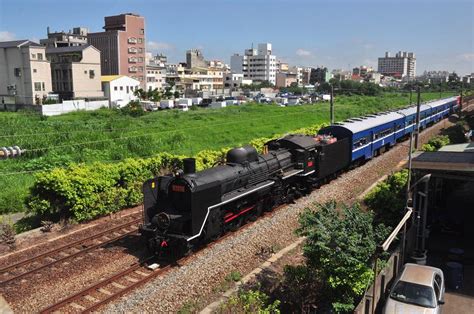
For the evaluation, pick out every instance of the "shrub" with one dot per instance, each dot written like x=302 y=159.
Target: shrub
x=436 y=143
x=134 y=109
x=387 y=200
x=251 y=301
x=7 y=234
x=339 y=248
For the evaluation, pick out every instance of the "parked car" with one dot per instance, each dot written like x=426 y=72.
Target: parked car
x=418 y=289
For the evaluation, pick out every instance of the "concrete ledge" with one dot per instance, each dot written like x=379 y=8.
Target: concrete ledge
x=4 y=306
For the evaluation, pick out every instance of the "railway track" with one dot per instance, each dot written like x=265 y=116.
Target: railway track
x=109 y=289
x=47 y=259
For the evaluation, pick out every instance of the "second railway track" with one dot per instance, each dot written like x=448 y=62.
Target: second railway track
x=21 y=269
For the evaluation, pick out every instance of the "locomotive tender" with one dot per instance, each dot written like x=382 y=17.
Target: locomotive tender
x=189 y=208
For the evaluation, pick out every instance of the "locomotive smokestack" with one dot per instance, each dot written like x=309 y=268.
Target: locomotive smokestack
x=189 y=165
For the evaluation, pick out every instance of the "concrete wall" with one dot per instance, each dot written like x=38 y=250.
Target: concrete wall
x=72 y=105
x=58 y=109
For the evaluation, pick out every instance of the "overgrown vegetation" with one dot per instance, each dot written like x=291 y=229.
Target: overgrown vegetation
x=436 y=143
x=250 y=301
x=111 y=136
x=388 y=198
x=339 y=246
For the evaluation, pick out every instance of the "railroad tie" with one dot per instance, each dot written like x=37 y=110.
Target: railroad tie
x=141 y=273
x=131 y=279
x=77 y=306
x=102 y=290
x=91 y=298
x=118 y=285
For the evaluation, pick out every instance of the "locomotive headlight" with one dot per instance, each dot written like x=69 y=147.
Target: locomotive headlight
x=162 y=221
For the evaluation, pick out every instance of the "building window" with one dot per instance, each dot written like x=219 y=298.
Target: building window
x=43 y=86
x=140 y=50
x=128 y=89
x=17 y=72
x=91 y=74
x=140 y=40
x=142 y=31
x=121 y=87
x=40 y=56
x=85 y=72
x=115 y=88
x=33 y=56
x=140 y=59
x=34 y=70
x=37 y=87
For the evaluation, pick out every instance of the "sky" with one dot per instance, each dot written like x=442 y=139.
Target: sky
x=336 y=34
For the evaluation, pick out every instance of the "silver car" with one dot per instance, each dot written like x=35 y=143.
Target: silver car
x=418 y=289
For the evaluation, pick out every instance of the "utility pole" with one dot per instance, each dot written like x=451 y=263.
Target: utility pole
x=417 y=127
x=332 y=105
x=460 y=98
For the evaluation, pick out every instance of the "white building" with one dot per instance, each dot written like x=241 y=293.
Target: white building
x=155 y=77
x=400 y=66
x=234 y=80
x=25 y=73
x=256 y=64
x=119 y=89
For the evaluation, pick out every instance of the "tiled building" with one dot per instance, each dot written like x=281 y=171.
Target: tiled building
x=122 y=46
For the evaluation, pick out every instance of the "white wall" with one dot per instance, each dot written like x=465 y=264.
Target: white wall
x=72 y=105
x=120 y=91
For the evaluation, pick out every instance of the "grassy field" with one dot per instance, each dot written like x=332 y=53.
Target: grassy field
x=110 y=136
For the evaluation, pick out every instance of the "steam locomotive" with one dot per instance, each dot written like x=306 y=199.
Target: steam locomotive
x=186 y=209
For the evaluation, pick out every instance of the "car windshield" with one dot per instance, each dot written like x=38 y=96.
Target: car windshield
x=413 y=293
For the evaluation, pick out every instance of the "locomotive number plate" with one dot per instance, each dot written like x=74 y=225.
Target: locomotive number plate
x=177 y=188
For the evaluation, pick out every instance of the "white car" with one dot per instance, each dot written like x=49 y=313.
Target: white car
x=418 y=289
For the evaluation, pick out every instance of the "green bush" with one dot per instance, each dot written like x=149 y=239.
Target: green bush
x=339 y=247
x=134 y=109
x=387 y=200
x=436 y=143
x=250 y=301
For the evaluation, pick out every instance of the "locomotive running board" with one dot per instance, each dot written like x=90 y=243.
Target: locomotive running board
x=231 y=198
x=291 y=173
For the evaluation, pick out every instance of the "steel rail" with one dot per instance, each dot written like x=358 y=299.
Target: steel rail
x=74 y=244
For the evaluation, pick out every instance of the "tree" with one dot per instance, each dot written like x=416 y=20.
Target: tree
x=339 y=248
x=140 y=93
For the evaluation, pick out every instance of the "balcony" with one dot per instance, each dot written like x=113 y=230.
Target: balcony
x=132 y=60
x=132 y=69
x=132 y=40
x=132 y=50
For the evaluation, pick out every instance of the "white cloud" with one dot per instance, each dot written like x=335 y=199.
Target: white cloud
x=467 y=57
x=158 y=46
x=303 y=53
x=6 y=36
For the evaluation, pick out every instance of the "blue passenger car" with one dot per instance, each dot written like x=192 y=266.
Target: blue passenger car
x=372 y=134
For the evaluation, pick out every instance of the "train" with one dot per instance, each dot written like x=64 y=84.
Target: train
x=183 y=210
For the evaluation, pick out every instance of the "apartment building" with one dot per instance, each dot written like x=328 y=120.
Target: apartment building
x=25 y=73
x=78 y=37
x=195 y=59
x=402 y=65
x=286 y=79
x=122 y=46
x=235 y=81
x=75 y=71
x=257 y=65
x=155 y=77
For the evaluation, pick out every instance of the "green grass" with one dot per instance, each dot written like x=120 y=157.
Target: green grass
x=107 y=135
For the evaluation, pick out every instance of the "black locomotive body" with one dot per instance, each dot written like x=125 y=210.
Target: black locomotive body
x=188 y=208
